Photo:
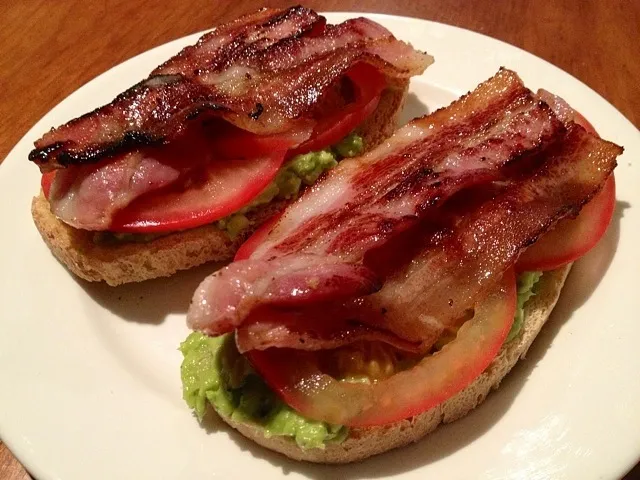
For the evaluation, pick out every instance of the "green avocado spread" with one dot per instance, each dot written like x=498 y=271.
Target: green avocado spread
x=525 y=287
x=214 y=373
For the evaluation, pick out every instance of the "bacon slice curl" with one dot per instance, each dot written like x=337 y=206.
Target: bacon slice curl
x=243 y=286
x=363 y=202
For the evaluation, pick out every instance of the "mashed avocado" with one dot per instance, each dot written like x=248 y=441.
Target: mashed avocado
x=213 y=372
x=525 y=283
x=304 y=169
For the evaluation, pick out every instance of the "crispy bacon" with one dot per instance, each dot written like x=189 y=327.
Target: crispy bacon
x=261 y=74
x=225 y=42
x=363 y=202
x=440 y=285
x=291 y=280
x=444 y=281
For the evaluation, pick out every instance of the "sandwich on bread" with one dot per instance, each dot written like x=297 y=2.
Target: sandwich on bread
x=401 y=289
x=179 y=169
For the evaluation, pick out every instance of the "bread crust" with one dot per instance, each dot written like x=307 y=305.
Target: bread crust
x=366 y=442
x=125 y=262
x=121 y=263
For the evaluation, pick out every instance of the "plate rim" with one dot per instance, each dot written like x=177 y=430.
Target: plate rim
x=29 y=461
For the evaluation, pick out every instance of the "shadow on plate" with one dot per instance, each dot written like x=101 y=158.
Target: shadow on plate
x=448 y=439
x=584 y=278
x=150 y=301
x=413 y=107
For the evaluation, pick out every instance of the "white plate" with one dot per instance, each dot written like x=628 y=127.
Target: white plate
x=89 y=375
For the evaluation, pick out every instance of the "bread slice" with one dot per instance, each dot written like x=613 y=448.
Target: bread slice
x=365 y=442
x=124 y=262
x=134 y=262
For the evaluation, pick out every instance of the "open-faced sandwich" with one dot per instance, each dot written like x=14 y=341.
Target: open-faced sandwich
x=179 y=169
x=398 y=291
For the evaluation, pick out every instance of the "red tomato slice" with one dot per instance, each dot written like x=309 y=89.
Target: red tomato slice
x=248 y=247
x=369 y=83
x=233 y=142
x=46 y=181
x=297 y=378
x=573 y=238
x=225 y=187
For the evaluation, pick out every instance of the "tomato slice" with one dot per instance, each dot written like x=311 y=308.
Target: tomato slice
x=248 y=247
x=369 y=83
x=572 y=238
x=223 y=188
x=233 y=142
x=297 y=378
x=46 y=181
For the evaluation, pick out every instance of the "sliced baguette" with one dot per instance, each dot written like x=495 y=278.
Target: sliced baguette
x=134 y=262
x=365 y=442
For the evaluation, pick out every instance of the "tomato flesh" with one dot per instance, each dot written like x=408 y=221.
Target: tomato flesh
x=223 y=188
x=572 y=238
x=233 y=142
x=298 y=380
x=248 y=247
x=46 y=181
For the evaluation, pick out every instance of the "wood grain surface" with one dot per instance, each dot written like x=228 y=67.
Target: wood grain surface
x=50 y=48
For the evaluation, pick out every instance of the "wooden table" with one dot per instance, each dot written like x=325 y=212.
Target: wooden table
x=49 y=49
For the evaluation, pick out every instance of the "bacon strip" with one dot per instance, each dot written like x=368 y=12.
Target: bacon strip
x=302 y=329
x=364 y=202
x=261 y=74
x=225 y=42
x=243 y=286
x=416 y=170
x=88 y=196
x=441 y=283
x=428 y=295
